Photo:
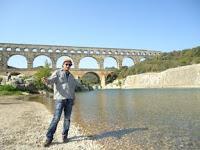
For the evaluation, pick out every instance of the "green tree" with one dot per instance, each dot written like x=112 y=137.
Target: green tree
x=44 y=71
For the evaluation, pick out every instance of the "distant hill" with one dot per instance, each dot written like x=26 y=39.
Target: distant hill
x=162 y=62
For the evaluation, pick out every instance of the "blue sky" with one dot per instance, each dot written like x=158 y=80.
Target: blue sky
x=163 y=25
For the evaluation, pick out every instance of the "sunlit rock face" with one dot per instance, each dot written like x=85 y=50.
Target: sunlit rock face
x=186 y=76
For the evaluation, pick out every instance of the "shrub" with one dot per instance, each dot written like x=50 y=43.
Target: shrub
x=8 y=88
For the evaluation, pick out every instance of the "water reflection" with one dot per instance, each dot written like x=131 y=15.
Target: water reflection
x=169 y=114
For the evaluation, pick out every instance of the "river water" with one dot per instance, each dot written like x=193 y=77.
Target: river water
x=139 y=118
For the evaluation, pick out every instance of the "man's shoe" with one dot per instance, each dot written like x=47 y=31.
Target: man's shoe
x=47 y=143
x=65 y=139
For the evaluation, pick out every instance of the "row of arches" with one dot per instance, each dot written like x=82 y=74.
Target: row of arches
x=20 y=61
x=80 y=51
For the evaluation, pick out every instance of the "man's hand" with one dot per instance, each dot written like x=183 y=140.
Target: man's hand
x=44 y=80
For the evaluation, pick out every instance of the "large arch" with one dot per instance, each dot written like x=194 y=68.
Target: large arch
x=110 y=62
x=60 y=60
x=142 y=59
x=20 y=59
x=127 y=61
x=90 y=78
x=40 y=60
x=89 y=63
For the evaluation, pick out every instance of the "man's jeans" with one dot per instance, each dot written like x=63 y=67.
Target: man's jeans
x=59 y=106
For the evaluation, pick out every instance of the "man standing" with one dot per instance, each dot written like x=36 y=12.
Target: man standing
x=64 y=94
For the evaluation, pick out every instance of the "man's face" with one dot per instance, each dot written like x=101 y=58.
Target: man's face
x=67 y=65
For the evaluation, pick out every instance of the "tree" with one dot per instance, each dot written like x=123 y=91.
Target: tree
x=44 y=71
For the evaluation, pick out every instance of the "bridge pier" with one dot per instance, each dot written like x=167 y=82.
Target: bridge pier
x=103 y=81
x=30 y=63
x=53 y=65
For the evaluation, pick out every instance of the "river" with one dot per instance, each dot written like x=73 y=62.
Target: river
x=139 y=118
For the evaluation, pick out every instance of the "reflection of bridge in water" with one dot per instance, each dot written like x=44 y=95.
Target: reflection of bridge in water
x=30 y=52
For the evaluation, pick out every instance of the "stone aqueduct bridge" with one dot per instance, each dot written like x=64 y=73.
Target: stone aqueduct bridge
x=30 y=52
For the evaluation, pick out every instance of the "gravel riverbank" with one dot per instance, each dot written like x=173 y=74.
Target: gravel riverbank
x=23 y=125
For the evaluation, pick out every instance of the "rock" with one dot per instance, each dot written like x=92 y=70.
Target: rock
x=185 y=76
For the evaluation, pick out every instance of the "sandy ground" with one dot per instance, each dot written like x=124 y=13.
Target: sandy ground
x=23 y=125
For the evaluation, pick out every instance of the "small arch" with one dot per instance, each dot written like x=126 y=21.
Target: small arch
x=57 y=51
x=50 y=50
x=91 y=52
x=8 y=49
x=97 y=52
x=88 y=63
x=115 y=52
x=42 y=50
x=26 y=49
x=60 y=60
x=41 y=60
x=1 y=48
x=72 y=51
x=110 y=62
x=79 y=52
x=17 y=49
x=85 y=52
x=34 y=50
x=65 y=51
x=17 y=61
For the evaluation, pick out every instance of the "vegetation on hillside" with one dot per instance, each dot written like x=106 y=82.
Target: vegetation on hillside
x=162 y=62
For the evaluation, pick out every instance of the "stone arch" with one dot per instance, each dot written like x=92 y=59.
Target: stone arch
x=110 y=64
x=89 y=62
x=40 y=60
x=94 y=80
x=20 y=59
x=110 y=77
x=17 y=49
x=128 y=61
x=59 y=61
x=8 y=49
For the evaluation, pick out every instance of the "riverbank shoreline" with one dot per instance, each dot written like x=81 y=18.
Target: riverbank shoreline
x=23 y=125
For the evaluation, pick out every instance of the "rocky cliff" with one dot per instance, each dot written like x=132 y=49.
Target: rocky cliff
x=186 y=76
